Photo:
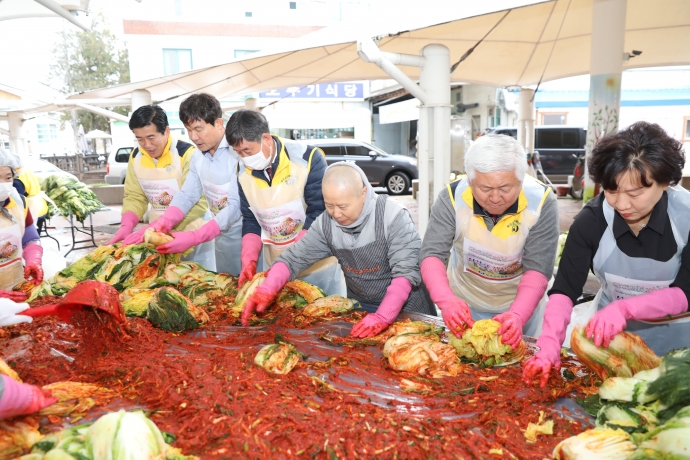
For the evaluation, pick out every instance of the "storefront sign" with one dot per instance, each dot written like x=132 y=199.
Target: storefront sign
x=347 y=91
x=399 y=112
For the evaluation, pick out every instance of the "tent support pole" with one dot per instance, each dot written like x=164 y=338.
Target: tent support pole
x=606 y=68
x=433 y=91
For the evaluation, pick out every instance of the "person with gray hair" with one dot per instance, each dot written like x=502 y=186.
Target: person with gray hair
x=18 y=235
x=375 y=242
x=500 y=228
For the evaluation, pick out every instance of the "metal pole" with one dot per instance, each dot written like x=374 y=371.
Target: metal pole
x=606 y=68
x=434 y=79
x=17 y=142
x=140 y=97
x=56 y=8
x=423 y=192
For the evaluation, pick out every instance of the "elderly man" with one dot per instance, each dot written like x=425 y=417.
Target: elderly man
x=280 y=196
x=374 y=240
x=500 y=228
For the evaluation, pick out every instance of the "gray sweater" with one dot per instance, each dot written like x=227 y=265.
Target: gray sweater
x=540 y=247
x=401 y=236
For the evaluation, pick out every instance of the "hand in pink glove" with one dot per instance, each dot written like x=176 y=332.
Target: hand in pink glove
x=16 y=296
x=33 y=254
x=185 y=240
x=396 y=295
x=22 y=399
x=277 y=276
x=369 y=326
x=251 y=248
x=613 y=318
x=556 y=320
x=172 y=216
x=530 y=290
x=129 y=221
x=300 y=235
x=455 y=312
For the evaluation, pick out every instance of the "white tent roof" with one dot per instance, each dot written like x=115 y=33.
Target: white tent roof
x=97 y=134
x=515 y=52
x=20 y=9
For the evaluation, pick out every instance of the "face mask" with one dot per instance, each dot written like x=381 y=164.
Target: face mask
x=257 y=161
x=5 y=188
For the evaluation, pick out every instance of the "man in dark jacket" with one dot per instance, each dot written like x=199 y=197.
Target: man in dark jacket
x=280 y=196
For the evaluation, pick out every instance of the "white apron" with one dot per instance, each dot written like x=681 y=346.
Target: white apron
x=485 y=266
x=280 y=210
x=160 y=185
x=622 y=276
x=11 y=233
x=228 y=245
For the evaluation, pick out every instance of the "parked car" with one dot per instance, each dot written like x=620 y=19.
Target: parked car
x=116 y=169
x=559 y=148
x=395 y=172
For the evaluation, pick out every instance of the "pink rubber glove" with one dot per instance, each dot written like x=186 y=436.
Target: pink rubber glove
x=251 y=248
x=17 y=296
x=22 y=399
x=185 y=240
x=396 y=296
x=556 y=320
x=277 y=276
x=129 y=221
x=33 y=254
x=613 y=318
x=172 y=216
x=530 y=290
x=300 y=235
x=456 y=313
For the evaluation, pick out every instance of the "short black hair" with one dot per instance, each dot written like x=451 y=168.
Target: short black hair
x=149 y=114
x=200 y=106
x=642 y=147
x=246 y=125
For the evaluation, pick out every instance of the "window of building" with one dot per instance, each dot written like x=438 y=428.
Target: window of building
x=248 y=14
x=176 y=61
x=46 y=133
x=293 y=5
x=686 y=129
x=243 y=53
x=554 y=118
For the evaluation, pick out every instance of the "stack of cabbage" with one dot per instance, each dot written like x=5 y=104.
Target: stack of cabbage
x=115 y=436
x=418 y=349
x=646 y=416
x=73 y=198
x=482 y=345
x=561 y=245
x=310 y=300
x=173 y=295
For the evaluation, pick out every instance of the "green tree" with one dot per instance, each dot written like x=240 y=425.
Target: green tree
x=87 y=60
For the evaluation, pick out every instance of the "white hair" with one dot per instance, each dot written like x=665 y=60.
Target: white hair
x=496 y=152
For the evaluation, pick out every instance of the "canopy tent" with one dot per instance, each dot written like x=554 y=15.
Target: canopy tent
x=515 y=47
x=20 y=9
x=97 y=134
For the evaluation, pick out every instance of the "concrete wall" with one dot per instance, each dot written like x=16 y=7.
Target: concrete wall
x=111 y=194
x=391 y=137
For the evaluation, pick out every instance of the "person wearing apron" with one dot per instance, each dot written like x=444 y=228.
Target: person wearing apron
x=213 y=174
x=156 y=171
x=374 y=240
x=634 y=237
x=18 y=235
x=500 y=227
x=280 y=196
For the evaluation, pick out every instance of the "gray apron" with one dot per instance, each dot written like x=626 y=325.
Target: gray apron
x=228 y=250
x=622 y=276
x=367 y=271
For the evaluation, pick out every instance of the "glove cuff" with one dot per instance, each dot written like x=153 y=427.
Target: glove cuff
x=436 y=280
x=15 y=398
x=251 y=247
x=129 y=220
x=32 y=252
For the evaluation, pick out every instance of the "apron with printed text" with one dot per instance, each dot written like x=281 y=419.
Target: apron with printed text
x=11 y=233
x=622 y=276
x=280 y=210
x=485 y=268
